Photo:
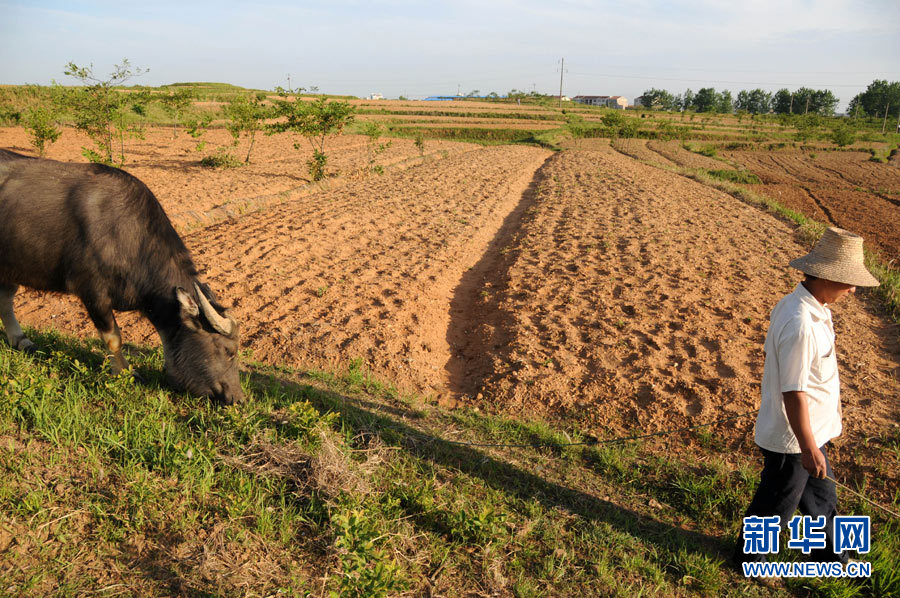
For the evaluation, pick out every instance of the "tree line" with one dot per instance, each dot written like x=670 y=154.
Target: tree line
x=881 y=98
x=754 y=101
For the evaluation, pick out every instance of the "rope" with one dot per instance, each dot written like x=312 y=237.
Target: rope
x=871 y=502
x=598 y=442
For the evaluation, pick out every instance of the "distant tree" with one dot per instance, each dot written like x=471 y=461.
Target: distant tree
x=176 y=104
x=724 y=103
x=782 y=102
x=316 y=121
x=755 y=101
x=473 y=93
x=879 y=96
x=706 y=100
x=246 y=116
x=659 y=98
x=101 y=111
x=803 y=101
x=814 y=101
x=687 y=99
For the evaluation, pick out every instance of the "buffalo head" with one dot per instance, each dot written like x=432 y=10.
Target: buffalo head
x=201 y=351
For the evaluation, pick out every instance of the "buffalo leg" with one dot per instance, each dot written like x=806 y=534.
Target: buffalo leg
x=106 y=325
x=14 y=334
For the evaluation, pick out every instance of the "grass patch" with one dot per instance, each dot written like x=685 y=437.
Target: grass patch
x=475 y=135
x=221 y=160
x=735 y=176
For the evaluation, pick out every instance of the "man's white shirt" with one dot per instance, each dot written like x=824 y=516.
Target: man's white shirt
x=800 y=356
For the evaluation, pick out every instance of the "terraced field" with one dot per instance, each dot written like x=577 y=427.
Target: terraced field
x=843 y=188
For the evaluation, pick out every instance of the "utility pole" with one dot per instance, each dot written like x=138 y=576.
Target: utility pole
x=289 y=81
x=562 y=68
x=791 y=107
x=884 y=124
x=807 y=106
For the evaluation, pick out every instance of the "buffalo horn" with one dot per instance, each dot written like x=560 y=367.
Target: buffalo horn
x=222 y=324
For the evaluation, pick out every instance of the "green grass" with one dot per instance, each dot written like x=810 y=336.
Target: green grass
x=465 y=114
x=478 y=135
x=335 y=482
x=735 y=176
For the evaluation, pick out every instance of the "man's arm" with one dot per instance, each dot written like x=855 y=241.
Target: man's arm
x=797 y=409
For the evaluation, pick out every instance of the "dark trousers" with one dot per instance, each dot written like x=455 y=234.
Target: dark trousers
x=784 y=487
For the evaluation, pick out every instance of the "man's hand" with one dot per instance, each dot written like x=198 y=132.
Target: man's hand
x=814 y=463
x=797 y=410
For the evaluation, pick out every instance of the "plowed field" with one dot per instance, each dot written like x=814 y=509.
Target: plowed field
x=582 y=284
x=841 y=188
x=673 y=151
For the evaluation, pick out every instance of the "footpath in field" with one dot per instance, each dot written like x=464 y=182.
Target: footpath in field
x=633 y=298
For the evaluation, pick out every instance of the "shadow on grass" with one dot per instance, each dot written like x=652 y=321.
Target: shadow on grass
x=365 y=417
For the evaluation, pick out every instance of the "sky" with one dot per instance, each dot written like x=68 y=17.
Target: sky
x=421 y=48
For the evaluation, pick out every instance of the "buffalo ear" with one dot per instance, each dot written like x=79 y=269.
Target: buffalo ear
x=188 y=306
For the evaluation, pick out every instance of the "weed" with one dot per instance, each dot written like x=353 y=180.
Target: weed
x=735 y=176
x=221 y=159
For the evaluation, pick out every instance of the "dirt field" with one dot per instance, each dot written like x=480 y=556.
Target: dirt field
x=581 y=284
x=673 y=151
x=842 y=188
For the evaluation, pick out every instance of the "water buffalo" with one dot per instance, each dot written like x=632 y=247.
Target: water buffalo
x=99 y=233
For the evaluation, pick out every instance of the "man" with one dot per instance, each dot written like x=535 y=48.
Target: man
x=800 y=410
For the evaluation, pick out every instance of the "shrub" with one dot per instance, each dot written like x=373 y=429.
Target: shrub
x=40 y=122
x=221 y=160
x=843 y=135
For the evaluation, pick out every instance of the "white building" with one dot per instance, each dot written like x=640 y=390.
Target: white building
x=375 y=96
x=617 y=102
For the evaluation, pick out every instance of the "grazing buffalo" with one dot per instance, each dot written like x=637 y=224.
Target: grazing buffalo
x=100 y=234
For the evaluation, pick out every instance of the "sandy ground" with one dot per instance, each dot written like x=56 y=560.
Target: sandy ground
x=187 y=190
x=582 y=284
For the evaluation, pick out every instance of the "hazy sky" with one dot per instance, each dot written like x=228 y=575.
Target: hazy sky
x=422 y=48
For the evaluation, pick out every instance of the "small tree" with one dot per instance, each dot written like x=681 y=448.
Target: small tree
x=419 y=141
x=176 y=104
x=40 y=122
x=317 y=121
x=100 y=111
x=246 y=116
x=374 y=131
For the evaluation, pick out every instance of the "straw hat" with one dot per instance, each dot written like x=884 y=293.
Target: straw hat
x=838 y=256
